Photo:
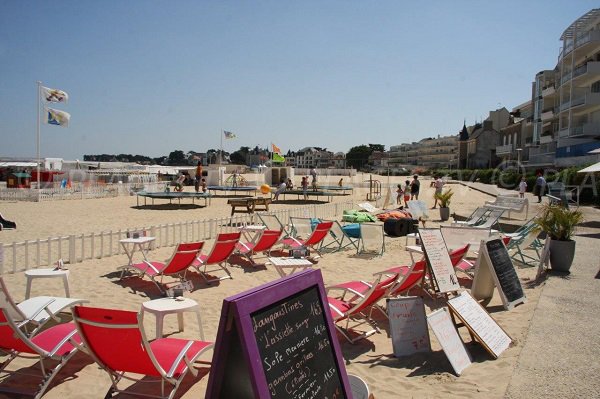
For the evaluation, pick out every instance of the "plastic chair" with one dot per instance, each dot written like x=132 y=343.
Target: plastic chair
x=224 y=246
x=372 y=239
x=177 y=265
x=266 y=241
x=116 y=340
x=313 y=241
x=55 y=344
x=33 y=313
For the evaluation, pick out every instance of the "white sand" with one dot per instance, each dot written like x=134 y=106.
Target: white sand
x=422 y=375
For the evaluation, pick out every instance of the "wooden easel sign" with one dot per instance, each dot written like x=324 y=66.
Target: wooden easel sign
x=278 y=341
x=544 y=258
x=408 y=325
x=480 y=324
x=444 y=330
x=439 y=261
x=494 y=268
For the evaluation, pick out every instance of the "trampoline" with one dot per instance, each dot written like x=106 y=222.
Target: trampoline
x=234 y=190
x=311 y=193
x=334 y=188
x=173 y=195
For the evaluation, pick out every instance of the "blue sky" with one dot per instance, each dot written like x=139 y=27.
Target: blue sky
x=150 y=77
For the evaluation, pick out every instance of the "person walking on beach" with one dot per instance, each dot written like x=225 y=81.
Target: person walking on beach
x=540 y=186
x=522 y=187
x=406 y=192
x=415 y=185
x=438 y=183
x=313 y=173
x=304 y=184
x=198 y=177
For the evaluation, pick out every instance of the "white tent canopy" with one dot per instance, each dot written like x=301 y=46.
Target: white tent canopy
x=591 y=169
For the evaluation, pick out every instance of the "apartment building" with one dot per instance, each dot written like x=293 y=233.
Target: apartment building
x=440 y=152
x=313 y=157
x=516 y=138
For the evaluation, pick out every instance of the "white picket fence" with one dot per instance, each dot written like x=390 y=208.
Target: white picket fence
x=30 y=254
x=78 y=191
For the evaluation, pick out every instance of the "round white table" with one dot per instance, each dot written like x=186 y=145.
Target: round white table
x=47 y=273
x=164 y=306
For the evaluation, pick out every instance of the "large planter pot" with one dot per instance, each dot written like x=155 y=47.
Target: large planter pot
x=444 y=214
x=561 y=255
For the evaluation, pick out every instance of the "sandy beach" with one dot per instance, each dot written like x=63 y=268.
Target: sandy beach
x=419 y=376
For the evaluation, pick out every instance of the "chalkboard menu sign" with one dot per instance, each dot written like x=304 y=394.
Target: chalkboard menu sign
x=281 y=338
x=480 y=323
x=408 y=325
x=495 y=268
x=444 y=330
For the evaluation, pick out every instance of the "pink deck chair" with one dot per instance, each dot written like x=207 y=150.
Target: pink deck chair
x=266 y=241
x=117 y=342
x=460 y=264
x=313 y=241
x=56 y=344
x=352 y=304
x=177 y=265
x=224 y=246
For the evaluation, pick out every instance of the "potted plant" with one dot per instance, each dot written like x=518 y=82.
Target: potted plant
x=559 y=224
x=444 y=198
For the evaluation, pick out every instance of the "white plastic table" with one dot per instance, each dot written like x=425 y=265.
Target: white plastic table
x=290 y=264
x=164 y=306
x=47 y=273
x=131 y=245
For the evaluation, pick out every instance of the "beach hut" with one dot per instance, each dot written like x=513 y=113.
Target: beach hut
x=18 y=180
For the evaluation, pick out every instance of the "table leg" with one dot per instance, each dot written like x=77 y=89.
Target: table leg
x=180 y=321
x=66 y=284
x=159 y=325
x=28 y=289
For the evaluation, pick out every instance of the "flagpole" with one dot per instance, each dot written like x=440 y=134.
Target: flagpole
x=221 y=157
x=38 y=99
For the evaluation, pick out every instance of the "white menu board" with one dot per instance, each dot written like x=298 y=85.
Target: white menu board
x=439 y=260
x=408 y=325
x=445 y=332
x=479 y=321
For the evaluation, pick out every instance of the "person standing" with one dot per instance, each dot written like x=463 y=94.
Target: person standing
x=522 y=187
x=406 y=192
x=415 y=186
x=304 y=184
x=400 y=194
x=198 y=178
x=438 y=184
x=313 y=173
x=540 y=186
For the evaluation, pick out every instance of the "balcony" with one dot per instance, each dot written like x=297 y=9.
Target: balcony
x=547 y=115
x=581 y=99
x=546 y=139
x=548 y=91
x=585 y=130
x=504 y=149
x=581 y=40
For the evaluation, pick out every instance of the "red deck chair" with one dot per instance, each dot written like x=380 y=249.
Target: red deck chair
x=318 y=235
x=117 y=342
x=222 y=249
x=177 y=265
x=460 y=264
x=266 y=241
x=354 y=300
x=55 y=344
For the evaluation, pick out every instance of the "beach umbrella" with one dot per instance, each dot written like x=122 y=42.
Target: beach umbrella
x=591 y=169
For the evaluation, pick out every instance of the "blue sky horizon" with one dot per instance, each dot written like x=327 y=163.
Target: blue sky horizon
x=150 y=77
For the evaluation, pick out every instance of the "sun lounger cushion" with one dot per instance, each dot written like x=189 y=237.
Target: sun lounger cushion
x=352 y=230
x=396 y=214
x=354 y=216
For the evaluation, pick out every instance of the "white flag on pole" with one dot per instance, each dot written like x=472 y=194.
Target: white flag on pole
x=54 y=95
x=57 y=117
x=229 y=135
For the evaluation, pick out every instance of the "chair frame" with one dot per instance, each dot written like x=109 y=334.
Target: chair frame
x=58 y=343
x=174 y=346
x=318 y=235
x=217 y=256
x=177 y=265
x=33 y=313
x=362 y=249
x=339 y=237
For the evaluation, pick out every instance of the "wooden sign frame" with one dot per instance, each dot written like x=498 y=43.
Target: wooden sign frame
x=544 y=258
x=446 y=319
x=238 y=370
x=445 y=280
x=486 y=277
x=411 y=308
x=473 y=331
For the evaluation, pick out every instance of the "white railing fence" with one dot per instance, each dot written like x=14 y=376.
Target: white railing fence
x=30 y=254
